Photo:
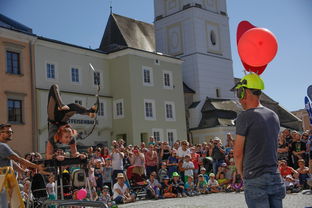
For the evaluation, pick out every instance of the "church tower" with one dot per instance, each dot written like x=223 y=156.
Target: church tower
x=197 y=31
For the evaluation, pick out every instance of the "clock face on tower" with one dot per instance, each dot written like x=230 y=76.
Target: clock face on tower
x=213 y=37
x=174 y=38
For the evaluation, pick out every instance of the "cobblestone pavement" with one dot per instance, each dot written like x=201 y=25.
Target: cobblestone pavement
x=219 y=200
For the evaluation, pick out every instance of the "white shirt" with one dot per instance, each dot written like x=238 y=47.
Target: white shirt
x=213 y=183
x=182 y=153
x=122 y=189
x=189 y=164
x=117 y=161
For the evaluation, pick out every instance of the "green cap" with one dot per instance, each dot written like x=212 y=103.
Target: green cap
x=250 y=81
x=175 y=174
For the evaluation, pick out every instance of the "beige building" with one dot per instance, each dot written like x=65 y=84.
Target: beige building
x=304 y=116
x=147 y=96
x=68 y=66
x=16 y=90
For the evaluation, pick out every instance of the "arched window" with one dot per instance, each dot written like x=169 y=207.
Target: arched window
x=213 y=37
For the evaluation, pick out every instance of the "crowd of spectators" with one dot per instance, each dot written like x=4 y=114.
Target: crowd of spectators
x=180 y=170
x=295 y=159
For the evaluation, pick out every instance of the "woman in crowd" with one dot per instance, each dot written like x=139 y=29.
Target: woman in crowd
x=151 y=160
x=282 y=150
x=121 y=192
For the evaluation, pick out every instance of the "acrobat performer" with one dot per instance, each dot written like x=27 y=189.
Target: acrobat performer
x=60 y=132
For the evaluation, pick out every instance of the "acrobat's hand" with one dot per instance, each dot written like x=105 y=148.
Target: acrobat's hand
x=60 y=157
x=82 y=156
x=64 y=107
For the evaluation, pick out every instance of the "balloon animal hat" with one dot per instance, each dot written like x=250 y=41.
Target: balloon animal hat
x=256 y=47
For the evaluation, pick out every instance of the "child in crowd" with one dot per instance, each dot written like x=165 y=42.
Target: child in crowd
x=202 y=185
x=237 y=184
x=153 y=187
x=107 y=174
x=232 y=167
x=163 y=172
x=172 y=163
x=223 y=182
x=189 y=187
x=188 y=167
x=213 y=183
x=51 y=189
x=106 y=197
x=98 y=173
x=303 y=174
x=203 y=172
x=292 y=185
x=167 y=188
x=177 y=185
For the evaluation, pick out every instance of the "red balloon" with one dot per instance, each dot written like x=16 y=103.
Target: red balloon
x=256 y=69
x=257 y=47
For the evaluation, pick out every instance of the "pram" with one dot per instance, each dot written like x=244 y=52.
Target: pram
x=137 y=182
x=38 y=189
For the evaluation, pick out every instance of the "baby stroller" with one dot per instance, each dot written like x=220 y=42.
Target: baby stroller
x=38 y=189
x=79 y=178
x=136 y=182
x=67 y=188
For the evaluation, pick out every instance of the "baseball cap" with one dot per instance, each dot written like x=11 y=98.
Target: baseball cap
x=223 y=164
x=212 y=175
x=4 y=125
x=175 y=174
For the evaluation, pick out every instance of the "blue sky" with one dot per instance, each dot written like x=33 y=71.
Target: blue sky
x=82 y=22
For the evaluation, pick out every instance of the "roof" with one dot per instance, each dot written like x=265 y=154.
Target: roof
x=218 y=112
x=122 y=32
x=223 y=112
x=187 y=89
x=12 y=24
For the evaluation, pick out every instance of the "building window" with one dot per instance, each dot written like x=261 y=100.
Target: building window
x=13 y=62
x=118 y=109
x=101 y=109
x=170 y=111
x=167 y=76
x=147 y=75
x=218 y=93
x=213 y=37
x=171 y=136
x=158 y=134
x=15 y=111
x=75 y=75
x=50 y=71
x=149 y=110
x=97 y=78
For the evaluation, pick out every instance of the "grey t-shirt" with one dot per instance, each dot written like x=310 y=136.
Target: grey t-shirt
x=260 y=126
x=5 y=152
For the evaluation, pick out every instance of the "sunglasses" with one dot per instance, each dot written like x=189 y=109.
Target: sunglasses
x=240 y=93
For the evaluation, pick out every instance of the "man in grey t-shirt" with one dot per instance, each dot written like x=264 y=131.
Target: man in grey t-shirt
x=7 y=155
x=255 y=149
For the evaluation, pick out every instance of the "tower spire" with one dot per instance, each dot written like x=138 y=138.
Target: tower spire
x=110 y=6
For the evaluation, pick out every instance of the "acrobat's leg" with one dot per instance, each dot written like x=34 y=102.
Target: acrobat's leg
x=54 y=102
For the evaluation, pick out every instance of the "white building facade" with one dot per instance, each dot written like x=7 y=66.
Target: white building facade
x=197 y=31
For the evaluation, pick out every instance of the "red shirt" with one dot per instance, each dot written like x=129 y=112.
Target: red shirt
x=194 y=159
x=285 y=170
